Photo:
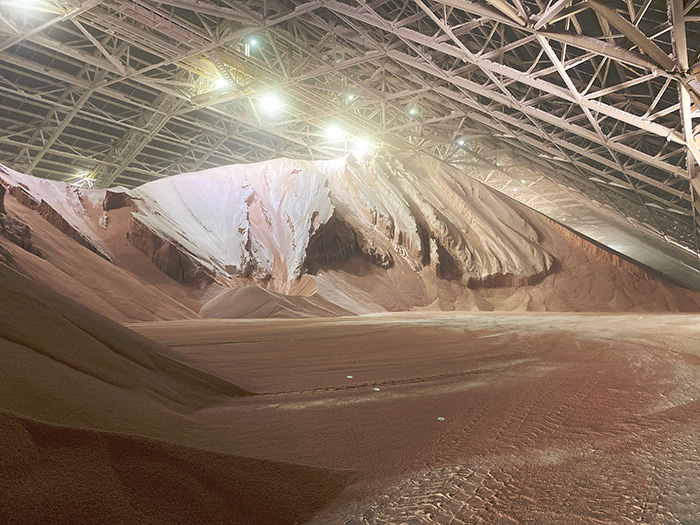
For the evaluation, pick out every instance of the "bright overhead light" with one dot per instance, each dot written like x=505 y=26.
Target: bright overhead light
x=460 y=142
x=335 y=133
x=253 y=42
x=350 y=97
x=413 y=111
x=271 y=104
x=362 y=146
x=220 y=83
x=522 y=182
x=83 y=179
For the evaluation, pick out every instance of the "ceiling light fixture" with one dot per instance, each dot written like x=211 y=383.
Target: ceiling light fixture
x=335 y=133
x=271 y=104
x=83 y=179
x=362 y=146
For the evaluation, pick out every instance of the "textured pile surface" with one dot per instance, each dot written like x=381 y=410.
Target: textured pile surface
x=290 y=238
x=239 y=385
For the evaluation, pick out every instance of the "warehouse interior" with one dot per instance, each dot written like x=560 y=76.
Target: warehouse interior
x=365 y=206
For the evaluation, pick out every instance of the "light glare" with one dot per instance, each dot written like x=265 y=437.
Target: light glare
x=220 y=83
x=271 y=104
x=83 y=179
x=334 y=133
x=363 y=146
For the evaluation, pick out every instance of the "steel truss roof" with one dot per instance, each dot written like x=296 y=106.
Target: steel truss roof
x=564 y=101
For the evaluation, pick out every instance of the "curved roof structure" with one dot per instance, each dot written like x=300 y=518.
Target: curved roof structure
x=585 y=110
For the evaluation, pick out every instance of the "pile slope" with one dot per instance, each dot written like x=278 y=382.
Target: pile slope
x=322 y=238
x=98 y=424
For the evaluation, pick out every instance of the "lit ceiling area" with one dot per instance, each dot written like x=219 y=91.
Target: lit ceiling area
x=587 y=111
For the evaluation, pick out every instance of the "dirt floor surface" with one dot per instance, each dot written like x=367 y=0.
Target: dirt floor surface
x=451 y=418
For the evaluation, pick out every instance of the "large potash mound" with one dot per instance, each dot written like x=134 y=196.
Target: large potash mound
x=269 y=222
x=353 y=236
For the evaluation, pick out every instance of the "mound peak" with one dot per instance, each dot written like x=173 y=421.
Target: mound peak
x=352 y=235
